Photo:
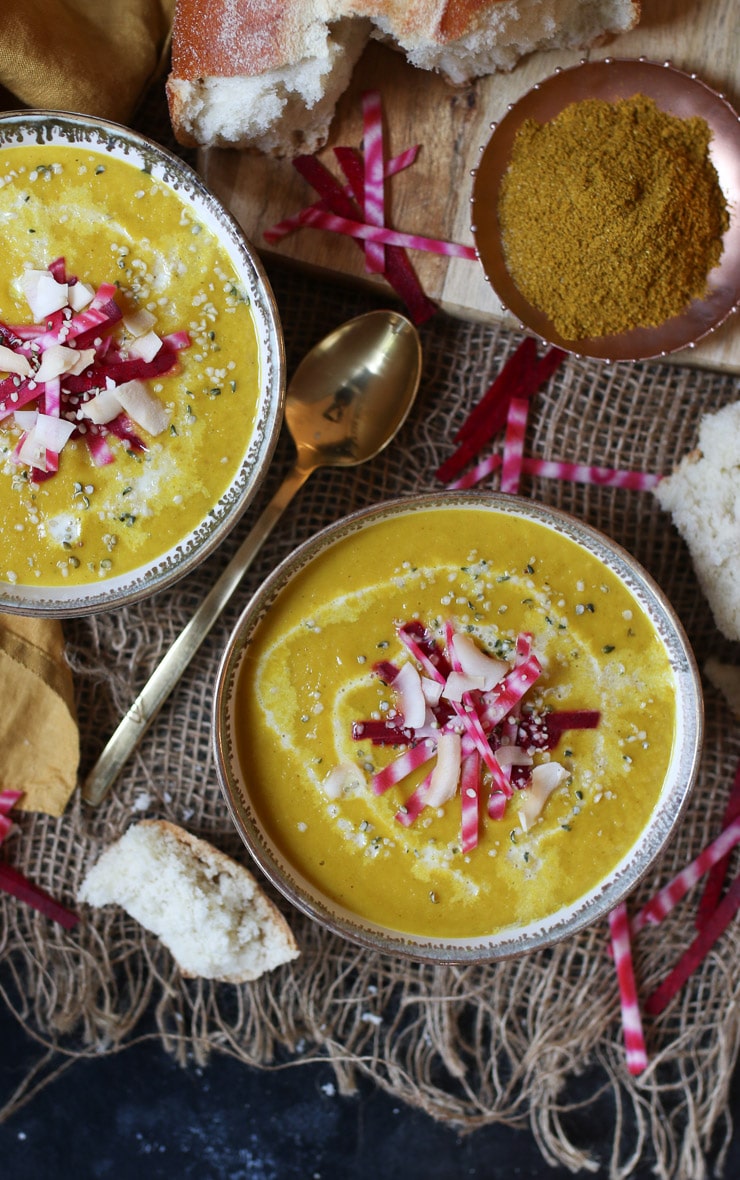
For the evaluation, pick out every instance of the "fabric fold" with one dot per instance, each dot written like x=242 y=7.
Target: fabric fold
x=39 y=736
x=97 y=59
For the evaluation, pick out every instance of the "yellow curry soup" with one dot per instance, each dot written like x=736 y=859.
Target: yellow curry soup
x=307 y=677
x=112 y=222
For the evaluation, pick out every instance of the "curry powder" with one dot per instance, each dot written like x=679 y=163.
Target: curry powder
x=611 y=215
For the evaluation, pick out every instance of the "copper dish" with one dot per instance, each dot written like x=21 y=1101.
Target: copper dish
x=674 y=91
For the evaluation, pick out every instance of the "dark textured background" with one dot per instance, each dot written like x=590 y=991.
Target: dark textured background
x=139 y=1115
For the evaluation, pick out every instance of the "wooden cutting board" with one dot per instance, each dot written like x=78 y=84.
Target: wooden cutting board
x=452 y=124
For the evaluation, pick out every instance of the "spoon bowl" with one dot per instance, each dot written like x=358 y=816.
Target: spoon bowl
x=347 y=400
x=352 y=393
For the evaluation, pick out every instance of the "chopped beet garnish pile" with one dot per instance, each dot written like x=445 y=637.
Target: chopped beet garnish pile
x=462 y=715
x=79 y=371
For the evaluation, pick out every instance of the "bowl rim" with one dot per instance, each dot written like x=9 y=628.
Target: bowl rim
x=604 y=78
x=512 y=941
x=175 y=563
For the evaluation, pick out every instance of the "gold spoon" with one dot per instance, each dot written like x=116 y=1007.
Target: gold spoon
x=347 y=399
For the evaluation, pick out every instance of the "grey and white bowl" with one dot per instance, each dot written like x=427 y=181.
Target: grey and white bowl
x=510 y=941
x=50 y=127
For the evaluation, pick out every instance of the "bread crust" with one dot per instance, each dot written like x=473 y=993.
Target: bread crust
x=210 y=855
x=229 y=38
x=105 y=884
x=295 y=56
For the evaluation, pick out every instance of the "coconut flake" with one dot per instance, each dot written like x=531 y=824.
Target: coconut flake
x=545 y=778
x=86 y=358
x=411 y=700
x=146 y=346
x=31 y=451
x=432 y=690
x=139 y=322
x=43 y=294
x=14 y=362
x=141 y=405
x=80 y=295
x=102 y=408
x=509 y=755
x=340 y=779
x=446 y=773
x=53 y=432
x=458 y=683
x=25 y=419
x=474 y=662
x=56 y=360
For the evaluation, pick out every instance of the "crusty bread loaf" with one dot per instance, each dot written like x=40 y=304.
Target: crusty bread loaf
x=266 y=74
x=703 y=496
x=205 y=907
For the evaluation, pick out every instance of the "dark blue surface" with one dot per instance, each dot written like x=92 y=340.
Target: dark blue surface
x=140 y=1115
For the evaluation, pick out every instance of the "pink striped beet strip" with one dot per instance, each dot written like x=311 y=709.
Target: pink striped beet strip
x=470 y=797
x=497 y=805
x=607 y=477
x=516 y=428
x=100 y=452
x=399 y=271
x=510 y=691
x=53 y=397
x=8 y=800
x=714 y=927
x=521 y=377
x=716 y=853
x=489 y=413
x=410 y=760
x=354 y=228
x=581 y=473
x=634 y=1040
x=718 y=872
x=13 y=882
x=473 y=728
x=423 y=649
x=373 y=197
x=557 y=723
x=415 y=804
x=466 y=712
x=476 y=474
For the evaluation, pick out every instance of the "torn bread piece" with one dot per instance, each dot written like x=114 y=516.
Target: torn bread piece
x=266 y=74
x=206 y=908
x=703 y=497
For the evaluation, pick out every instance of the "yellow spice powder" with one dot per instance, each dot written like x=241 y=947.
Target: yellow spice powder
x=612 y=215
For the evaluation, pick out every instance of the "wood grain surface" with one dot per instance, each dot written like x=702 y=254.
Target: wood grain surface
x=452 y=124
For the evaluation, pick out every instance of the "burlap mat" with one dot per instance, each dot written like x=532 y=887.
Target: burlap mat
x=473 y=1045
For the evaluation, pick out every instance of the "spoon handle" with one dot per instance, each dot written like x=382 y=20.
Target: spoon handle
x=167 y=674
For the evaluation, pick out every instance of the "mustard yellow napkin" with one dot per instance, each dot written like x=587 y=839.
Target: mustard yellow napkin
x=92 y=56
x=39 y=739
